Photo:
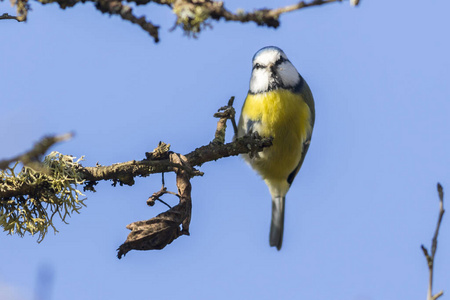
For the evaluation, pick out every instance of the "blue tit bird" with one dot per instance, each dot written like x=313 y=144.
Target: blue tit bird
x=280 y=105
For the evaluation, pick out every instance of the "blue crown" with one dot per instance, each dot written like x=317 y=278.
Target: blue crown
x=265 y=49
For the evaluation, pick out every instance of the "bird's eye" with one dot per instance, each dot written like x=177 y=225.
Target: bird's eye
x=257 y=66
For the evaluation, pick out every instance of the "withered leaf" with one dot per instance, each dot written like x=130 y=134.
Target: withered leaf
x=155 y=233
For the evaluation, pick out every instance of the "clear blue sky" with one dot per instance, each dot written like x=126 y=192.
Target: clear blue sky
x=357 y=213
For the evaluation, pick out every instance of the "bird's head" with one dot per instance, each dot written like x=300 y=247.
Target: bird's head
x=272 y=70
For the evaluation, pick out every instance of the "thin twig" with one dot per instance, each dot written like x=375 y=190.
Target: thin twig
x=5 y=16
x=163 y=202
x=233 y=118
x=224 y=113
x=302 y=4
x=430 y=259
x=37 y=151
x=156 y=196
x=114 y=7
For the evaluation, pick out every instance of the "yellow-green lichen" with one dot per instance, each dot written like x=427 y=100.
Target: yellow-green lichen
x=49 y=193
x=192 y=17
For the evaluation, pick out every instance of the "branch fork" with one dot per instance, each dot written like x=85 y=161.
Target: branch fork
x=192 y=16
x=430 y=258
x=154 y=233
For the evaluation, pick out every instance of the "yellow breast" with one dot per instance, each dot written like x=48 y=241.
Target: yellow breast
x=284 y=116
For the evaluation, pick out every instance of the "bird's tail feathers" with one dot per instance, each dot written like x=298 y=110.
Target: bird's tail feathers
x=277 y=225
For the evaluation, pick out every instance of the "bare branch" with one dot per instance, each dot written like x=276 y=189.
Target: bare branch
x=225 y=113
x=157 y=196
x=302 y=4
x=430 y=258
x=39 y=149
x=114 y=7
x=241 y=145
x=5 y=16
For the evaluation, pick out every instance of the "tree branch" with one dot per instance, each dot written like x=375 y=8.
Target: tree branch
x=35 y=154
x=29 y=188
x=430 y=258
x=124 y=173
x=114 y=7
x=275 y=13
x=156 y=233
x=191 y=15
x=5 y=16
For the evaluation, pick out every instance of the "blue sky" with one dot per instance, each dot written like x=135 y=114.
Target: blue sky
x=363 y=202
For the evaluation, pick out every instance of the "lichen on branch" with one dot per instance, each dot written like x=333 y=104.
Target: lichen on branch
x=191 y=15
x=29 y=199
x=42 y=195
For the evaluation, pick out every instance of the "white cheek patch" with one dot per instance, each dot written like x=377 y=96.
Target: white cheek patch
x=288 y=74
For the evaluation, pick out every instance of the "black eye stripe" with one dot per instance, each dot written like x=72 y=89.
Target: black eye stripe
x=280 y=61
x=277 y=63
x=258 y=66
